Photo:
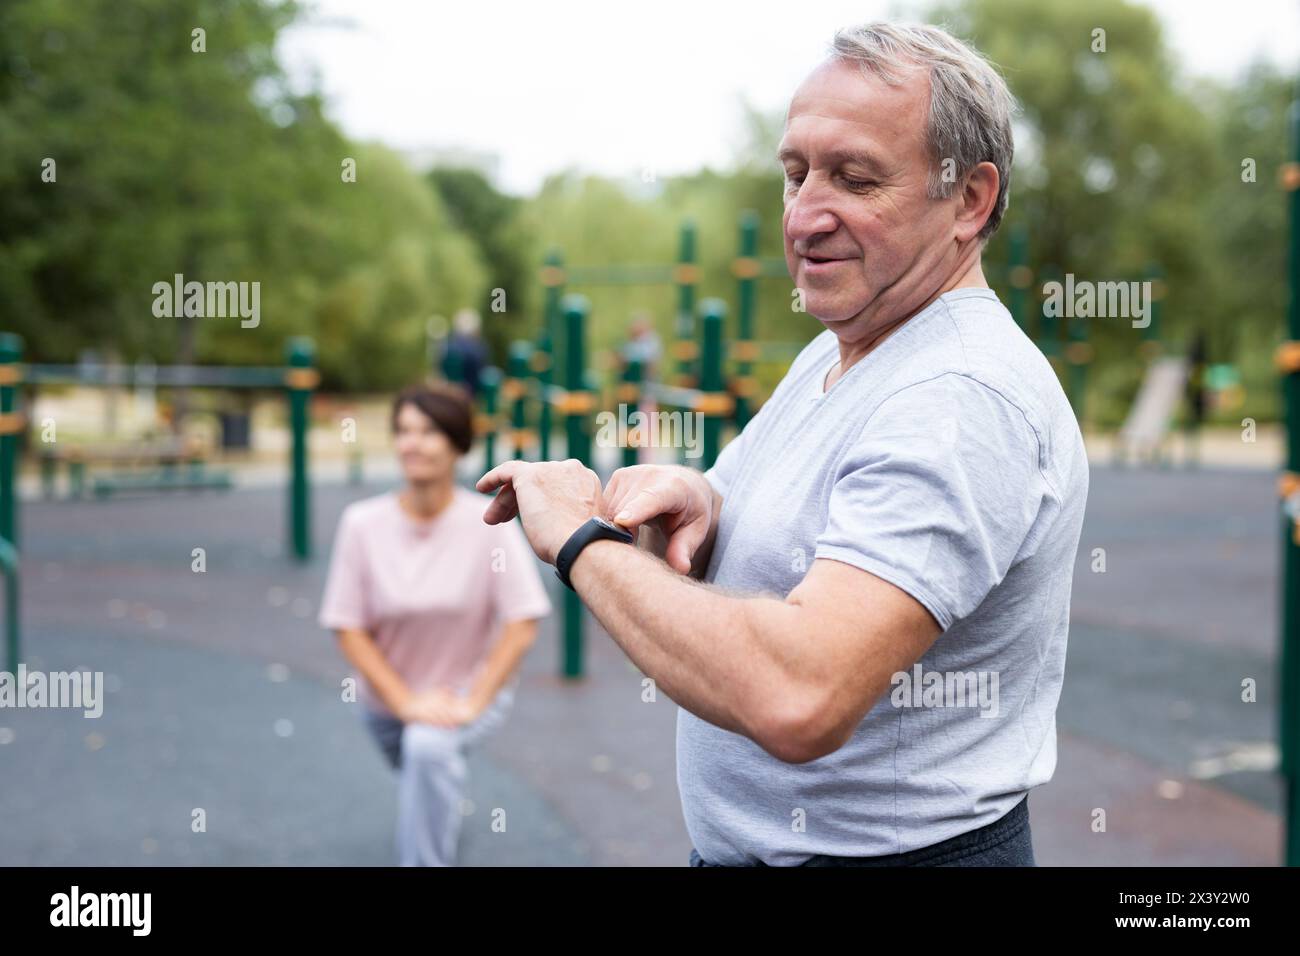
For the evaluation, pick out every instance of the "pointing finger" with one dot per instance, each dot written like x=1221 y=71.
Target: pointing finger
x=641 y=507
x=682 y=547
x=503 y=507
x=500 y=475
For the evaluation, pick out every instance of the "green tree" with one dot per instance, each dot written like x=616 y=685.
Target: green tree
x=204 y=163
x=1115 y=160
x=1246 y=215
x=491 y=219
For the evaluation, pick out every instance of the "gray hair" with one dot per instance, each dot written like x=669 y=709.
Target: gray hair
x=970 y=105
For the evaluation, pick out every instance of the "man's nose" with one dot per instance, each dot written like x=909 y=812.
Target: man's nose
x=810 y=211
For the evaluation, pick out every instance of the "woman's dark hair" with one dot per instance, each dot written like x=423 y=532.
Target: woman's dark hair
x=447 y=406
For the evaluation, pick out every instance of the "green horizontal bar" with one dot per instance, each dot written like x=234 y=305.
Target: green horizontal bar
x=779 y=351
x=161 y=482
x=619 y=275
x=167 y=376
x=673 y=395
x=773 y=269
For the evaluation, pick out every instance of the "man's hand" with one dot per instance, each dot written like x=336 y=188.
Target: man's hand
x=675 y=500
x=552 y=498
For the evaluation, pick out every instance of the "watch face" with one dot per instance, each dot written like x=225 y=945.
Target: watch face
x=622 y=533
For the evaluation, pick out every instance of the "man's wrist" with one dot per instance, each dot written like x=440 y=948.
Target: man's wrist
x=595 y=528
x=581 y=565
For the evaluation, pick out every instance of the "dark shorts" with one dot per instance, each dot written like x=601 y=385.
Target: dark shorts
x=1004 y=842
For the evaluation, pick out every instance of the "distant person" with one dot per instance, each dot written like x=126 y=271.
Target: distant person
x=466 y=353
x=643 y=345
x=435 y=610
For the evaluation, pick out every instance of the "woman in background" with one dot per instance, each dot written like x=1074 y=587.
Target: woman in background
x=434 y=610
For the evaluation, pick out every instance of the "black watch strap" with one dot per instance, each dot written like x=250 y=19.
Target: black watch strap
x=593 y=530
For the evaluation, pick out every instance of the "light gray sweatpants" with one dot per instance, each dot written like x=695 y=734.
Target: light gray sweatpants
x=431 y=777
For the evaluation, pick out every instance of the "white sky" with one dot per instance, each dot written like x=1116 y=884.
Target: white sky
x=620 y=86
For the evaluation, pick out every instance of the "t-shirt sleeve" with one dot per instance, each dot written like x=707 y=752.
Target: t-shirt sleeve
x=344 y=604
x=518 y=592
x=938 y=494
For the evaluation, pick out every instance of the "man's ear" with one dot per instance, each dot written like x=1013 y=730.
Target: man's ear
x=979 y=193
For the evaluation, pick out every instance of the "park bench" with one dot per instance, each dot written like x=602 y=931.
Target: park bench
x=170 y=464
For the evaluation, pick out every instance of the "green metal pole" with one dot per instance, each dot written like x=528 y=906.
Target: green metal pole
x=1077 y=356
x=1019 y=275
x=490 y=380
x=544 y=357
x=11 y=425
x=301 y=378
x=49 y=474
x=747 y=270
x=543 y=372
x=686 y=275
x=717 y=401
x=575 y=309
x=1049 y=338
x=521 y=354
x=76 y=474
x=1289 y=716
x=686 y=348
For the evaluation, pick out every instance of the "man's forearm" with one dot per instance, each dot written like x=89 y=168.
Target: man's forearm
x=699 y=644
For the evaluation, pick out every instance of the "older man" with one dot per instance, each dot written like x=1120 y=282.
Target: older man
x=864 y=606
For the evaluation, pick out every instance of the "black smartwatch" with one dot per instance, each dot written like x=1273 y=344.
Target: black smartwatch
x=593 y=530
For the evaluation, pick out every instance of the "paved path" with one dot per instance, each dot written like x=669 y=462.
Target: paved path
x=223 y=695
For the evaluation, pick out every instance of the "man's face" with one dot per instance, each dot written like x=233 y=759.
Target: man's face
x=861 y=237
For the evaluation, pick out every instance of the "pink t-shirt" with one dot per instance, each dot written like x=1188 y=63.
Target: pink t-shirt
x=433 y=595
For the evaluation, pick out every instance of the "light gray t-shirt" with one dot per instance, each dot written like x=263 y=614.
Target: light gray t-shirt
x=947 y=462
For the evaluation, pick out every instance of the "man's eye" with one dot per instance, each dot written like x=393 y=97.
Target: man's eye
x=858 y=183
